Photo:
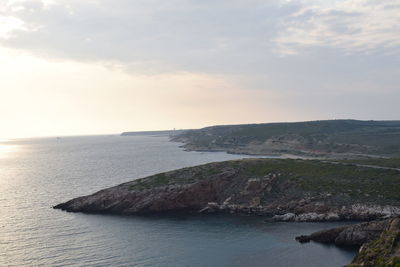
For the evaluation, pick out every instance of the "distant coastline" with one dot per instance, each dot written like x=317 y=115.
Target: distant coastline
x=334 y=139
x=153 y=133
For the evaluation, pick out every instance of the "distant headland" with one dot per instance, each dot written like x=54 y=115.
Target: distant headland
x=315 y=139
x=153 y=133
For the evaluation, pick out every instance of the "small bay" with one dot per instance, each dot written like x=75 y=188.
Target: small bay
x=36 y=174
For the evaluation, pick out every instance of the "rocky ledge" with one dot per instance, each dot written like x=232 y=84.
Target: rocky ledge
x=283 y=189
x=379 y=242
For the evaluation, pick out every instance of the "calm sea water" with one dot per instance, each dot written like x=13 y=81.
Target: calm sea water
x=36 y=174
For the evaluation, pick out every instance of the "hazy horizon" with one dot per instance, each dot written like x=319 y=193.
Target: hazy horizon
x=72 y=67
x=4 y=139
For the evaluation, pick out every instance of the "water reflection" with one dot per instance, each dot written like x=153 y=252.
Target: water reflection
x=6 y=149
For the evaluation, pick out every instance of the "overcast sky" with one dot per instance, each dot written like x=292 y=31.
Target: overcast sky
x=106 y=66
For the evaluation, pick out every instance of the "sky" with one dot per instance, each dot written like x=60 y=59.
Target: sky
x=70 y=67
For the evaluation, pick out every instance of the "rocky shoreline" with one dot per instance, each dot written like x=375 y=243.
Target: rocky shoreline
x=285 y=190
x=379 y=241
x=357 y=212
x=279 y=189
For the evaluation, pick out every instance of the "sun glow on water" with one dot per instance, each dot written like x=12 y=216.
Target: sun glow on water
x=6 y=149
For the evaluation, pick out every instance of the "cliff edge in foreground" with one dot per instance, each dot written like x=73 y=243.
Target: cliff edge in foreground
x=379 y=242
x=285 y=189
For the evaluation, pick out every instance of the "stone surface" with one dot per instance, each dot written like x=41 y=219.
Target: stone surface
x=379 y=241
x=233 y=187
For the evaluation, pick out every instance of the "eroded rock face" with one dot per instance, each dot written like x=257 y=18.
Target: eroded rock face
x=383 y=251
x=252 y=186
x=124 y=199
x=307 y=217
x=354 y=235
x=317 y=212
x=379 y=241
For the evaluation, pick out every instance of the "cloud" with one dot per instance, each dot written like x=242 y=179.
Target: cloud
x=361 y=26
x=8 y=25
x=152 y=35
x=201 y=36
x=307 y=46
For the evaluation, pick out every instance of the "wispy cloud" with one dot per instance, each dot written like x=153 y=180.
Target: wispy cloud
x=150 y=35
x=210 y=36
x=8 y=25
x=360 y=26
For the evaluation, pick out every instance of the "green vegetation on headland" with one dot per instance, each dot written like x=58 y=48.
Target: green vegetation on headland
x=282 y=189
x=342 y=183
x=382 y=162
x=381 y=252
x=331 y=138
x=379 y=241
x=259 y=186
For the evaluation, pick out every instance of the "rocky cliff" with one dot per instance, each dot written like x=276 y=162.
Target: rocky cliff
x=284 y=189
x=379 y=242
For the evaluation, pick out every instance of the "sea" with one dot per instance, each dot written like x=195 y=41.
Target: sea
x=36 y=174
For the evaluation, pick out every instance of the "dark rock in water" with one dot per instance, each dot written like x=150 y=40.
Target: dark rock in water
x=379 y=241
x=324 y=236
x=303 y=238
x=354 y=235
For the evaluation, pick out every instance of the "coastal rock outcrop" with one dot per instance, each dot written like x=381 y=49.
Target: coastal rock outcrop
x=353 y=235
x=379 y=241
x=286 y=190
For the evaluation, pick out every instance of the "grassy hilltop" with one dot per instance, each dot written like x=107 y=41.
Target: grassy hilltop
x=321 y=189
x=337 y=138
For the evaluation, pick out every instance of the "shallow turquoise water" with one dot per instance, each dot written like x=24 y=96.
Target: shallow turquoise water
x=36 y=174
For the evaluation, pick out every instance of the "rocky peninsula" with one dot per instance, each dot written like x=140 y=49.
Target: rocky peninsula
x=283 y=189
x=279 y=189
